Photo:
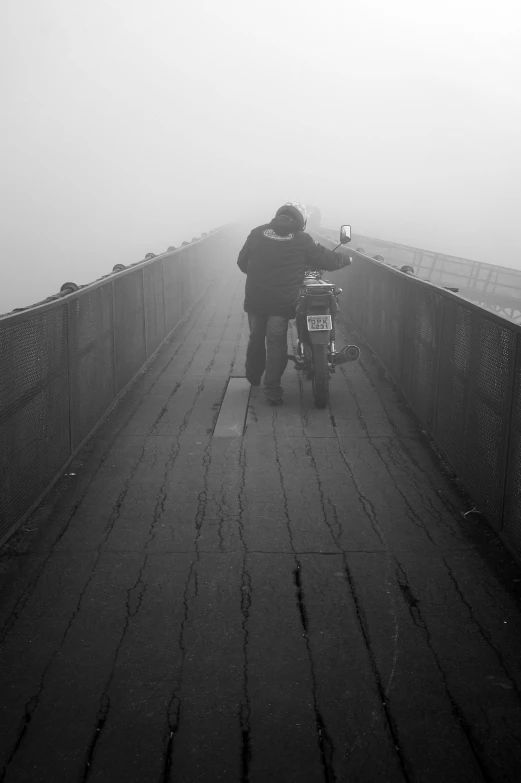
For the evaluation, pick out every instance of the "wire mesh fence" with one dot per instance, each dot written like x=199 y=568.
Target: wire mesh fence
x=459 y=367
x=64 y=363
x=494 y=287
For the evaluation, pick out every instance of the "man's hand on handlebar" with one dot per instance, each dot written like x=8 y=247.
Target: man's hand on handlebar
x=343 y=260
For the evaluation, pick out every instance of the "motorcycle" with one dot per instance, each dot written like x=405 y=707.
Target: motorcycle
x=317 y=307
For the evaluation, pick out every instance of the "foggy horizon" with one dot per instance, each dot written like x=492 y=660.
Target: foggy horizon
x=130 y=127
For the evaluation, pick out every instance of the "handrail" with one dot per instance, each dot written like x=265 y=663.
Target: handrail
x=459 y=367
x=118 y=269
x=429 y=283
x=65 y=363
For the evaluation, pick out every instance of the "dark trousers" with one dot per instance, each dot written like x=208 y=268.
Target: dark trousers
x=267 y=352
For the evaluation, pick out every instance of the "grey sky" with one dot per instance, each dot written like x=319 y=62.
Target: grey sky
x=131 y=125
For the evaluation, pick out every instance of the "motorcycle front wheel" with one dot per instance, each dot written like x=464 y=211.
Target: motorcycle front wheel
x=320 y=375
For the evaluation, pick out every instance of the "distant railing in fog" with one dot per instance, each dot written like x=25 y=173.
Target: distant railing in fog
x=496 y=288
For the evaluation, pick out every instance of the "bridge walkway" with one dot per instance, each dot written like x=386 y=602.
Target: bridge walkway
x=305 y=603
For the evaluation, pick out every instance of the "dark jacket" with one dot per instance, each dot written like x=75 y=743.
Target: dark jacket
x=275 y=258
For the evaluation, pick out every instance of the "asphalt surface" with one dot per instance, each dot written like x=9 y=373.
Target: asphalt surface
x=305 y=603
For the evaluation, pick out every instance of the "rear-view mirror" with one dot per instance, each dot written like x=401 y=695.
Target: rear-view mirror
x=345 y=235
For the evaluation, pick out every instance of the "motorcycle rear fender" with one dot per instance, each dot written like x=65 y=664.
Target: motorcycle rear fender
x=323 y=308
x=320 y=338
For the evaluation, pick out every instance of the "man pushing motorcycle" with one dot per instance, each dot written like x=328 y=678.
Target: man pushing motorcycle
x=274 y=259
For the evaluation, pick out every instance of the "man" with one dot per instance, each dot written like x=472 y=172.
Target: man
x=274 y=259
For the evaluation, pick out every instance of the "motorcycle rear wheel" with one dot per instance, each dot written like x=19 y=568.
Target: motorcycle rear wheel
x=320 y=375
x=308 y=357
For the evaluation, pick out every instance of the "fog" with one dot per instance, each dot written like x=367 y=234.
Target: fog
x=132 y=125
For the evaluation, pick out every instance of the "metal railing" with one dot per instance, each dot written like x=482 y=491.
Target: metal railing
x=64 y=363
x=459 y=367
x=497 y=288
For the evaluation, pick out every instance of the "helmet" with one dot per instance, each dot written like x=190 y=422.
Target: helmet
x=314 y=216
x=295 y=211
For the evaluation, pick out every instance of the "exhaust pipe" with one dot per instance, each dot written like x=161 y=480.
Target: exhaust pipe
x=348 y=354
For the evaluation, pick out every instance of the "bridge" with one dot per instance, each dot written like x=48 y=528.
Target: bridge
x=196 y=587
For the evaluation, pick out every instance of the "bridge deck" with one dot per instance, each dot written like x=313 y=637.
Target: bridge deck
x=304 y=603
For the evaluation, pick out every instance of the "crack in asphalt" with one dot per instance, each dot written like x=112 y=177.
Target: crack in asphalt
x=225 y=512
x=321 y=494
x=174 y=705
x=448 y=504
x=246 y=600
x=410 y=513
x=135 y=595
x=21 y=602
x=325 y=743
x=173 y=710
x=185 y=369
x=359 y=414
x=454 y=512
x=381 y=689
x=245 y=706
x=222 y=513
x=27 y=593
x=281 y=481
x=374 y=387
x=486 y=635
x=371 y=515
x=365 y=503
x=326 y=748
x=32 y=703
x=202 y=497
x=415 y=518
x=175 y=448
x=156 y=380
x=413 y=605
x=336 y=519
x=241 y=494
x=398 y=460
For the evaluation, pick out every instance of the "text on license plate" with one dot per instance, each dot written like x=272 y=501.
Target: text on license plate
x=319 y=322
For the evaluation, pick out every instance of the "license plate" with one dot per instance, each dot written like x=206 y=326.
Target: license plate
x=318 y=323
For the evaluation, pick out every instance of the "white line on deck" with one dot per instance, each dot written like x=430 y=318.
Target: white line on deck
x=232 y=416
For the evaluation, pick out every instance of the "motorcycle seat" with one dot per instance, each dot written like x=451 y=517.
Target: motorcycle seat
x=314 y=281
x=319 y=285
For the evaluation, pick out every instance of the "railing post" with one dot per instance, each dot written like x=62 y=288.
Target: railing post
x=196 y=272
x=145 y=327
x=510 y=407
x=439 y=340
x=114 y=337
x=163 y=297
x=70 y=377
